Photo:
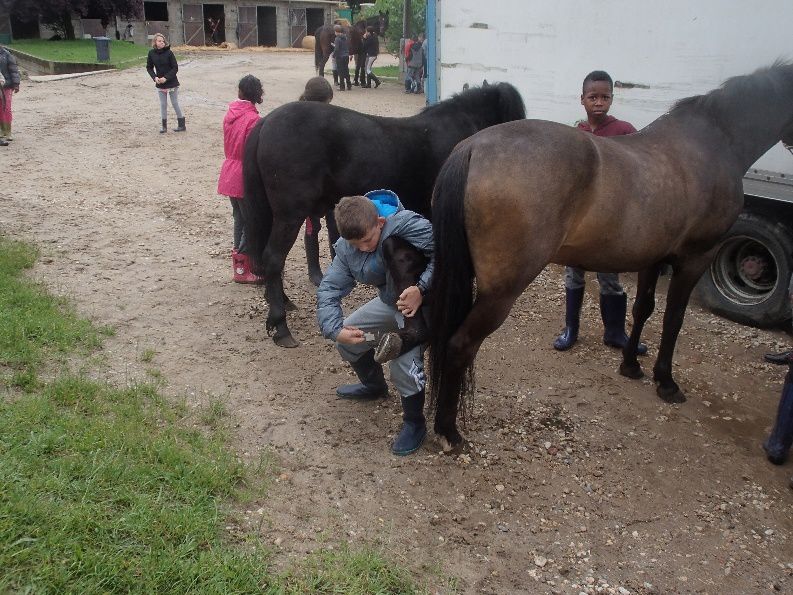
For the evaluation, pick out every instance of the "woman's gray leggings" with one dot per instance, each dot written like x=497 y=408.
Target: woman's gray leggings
x=174 y=93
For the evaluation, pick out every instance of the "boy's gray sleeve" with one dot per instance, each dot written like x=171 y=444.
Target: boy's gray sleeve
x=337 y=283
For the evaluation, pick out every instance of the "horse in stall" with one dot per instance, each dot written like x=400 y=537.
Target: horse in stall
x=324 y=36
x=515 y=197
x=303 y=157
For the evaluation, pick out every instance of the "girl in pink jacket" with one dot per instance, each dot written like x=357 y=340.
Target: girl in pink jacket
x=240 y=119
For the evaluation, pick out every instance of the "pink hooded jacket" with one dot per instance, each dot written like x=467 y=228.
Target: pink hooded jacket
x=241 y=117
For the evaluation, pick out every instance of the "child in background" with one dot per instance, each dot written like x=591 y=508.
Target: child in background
x=341 y=52
x=597 y=93
x=241 y=117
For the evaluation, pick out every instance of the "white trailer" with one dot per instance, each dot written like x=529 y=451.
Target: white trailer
x=657 y=53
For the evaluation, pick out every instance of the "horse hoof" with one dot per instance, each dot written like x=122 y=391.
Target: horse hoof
x=633 y=371
x=389 y=347
x=315 y=279
x=286 y=341
x=671 y=394
x=289 y=306
x=450 y=449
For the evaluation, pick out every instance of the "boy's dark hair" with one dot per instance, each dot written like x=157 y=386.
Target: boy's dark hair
x=317 y=89
x=355 y=217
x=595 y=76
x=251 y=89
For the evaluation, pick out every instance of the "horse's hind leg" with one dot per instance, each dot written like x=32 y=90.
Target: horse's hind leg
x=333 y=231
x=684 y=278
x=487 y=314
x=311 y=244
x=642 y=309
x=282 y=237
x=405 y=264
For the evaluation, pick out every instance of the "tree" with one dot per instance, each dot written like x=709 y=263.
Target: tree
x=396 y=11
x=57 y=14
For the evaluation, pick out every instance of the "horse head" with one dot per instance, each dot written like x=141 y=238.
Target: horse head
x=382 y=22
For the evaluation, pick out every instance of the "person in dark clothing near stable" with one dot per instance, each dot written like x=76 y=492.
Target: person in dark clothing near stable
x=162 y=68
x=341 y=52
x=371 y=47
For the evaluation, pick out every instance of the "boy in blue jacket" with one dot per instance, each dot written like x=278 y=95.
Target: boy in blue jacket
x=364 y=223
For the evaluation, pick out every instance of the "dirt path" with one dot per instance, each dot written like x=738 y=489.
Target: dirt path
x=577 y=479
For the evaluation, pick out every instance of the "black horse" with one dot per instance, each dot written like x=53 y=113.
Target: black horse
x=303 y=157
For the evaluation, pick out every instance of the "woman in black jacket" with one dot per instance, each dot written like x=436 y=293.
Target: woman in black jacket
x=162 y=68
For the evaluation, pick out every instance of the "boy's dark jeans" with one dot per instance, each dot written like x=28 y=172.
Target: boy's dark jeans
x=343 y=66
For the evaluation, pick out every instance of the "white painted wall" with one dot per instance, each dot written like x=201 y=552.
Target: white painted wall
x=678 y=47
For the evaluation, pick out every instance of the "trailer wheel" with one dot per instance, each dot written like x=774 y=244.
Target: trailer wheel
x=748 y=279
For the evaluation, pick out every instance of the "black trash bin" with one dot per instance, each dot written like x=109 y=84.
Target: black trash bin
x=102 y=49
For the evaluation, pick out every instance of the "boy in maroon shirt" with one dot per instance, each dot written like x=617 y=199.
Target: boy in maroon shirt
x=596 y=97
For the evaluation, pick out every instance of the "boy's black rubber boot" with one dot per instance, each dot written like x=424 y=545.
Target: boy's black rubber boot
x=372 y=385
x=612 y=310
x=414 y=428
x=572 y=318
x=778 y=443
x=180 y=127
x=164 y=127
x=375 y=79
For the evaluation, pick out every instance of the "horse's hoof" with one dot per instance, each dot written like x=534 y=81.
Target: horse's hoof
x=671 y=394
x=316 y=279
x=389 y=347
x=289 y=306
x=449 y=448
x=287 y=341
x=633 y=371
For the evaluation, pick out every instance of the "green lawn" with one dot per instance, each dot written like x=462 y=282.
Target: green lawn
x=81 y=50
x=392 y=71
x=108 y=489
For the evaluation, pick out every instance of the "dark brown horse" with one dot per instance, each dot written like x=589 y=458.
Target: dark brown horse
x=515 y=197
x=304 y=156
x=324 y=36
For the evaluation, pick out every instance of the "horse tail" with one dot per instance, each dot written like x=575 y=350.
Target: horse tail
x=317 y=48
x=452 y=279
x=256 y=210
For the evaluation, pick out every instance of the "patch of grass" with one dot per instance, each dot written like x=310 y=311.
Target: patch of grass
x=147 y=355
x=34 y=326
x=392 y=71
x=346 y=571
x=110 y=490
x=122 y=53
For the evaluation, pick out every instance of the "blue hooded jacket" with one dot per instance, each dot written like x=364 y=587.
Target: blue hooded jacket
x=353 y=266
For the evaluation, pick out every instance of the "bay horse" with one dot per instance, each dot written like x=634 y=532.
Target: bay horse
x=303 y=157
x=515 y=197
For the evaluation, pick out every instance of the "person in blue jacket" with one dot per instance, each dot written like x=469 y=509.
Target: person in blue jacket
x=364 y=222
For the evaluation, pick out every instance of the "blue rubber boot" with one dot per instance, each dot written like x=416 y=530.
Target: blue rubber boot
x=778 y=443
x=372 y=385
x=414 y=428
x=572 y=318
x=612 y=310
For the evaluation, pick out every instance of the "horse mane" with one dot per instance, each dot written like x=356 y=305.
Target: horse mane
x=724 y=104
x=507 y=98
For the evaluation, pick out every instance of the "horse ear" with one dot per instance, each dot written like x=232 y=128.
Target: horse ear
x=465 y=87
x=485 y=83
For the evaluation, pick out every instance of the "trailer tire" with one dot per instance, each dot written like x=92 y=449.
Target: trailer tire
x=748 y=279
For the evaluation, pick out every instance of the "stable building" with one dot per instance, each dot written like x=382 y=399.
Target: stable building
x=245 y=23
